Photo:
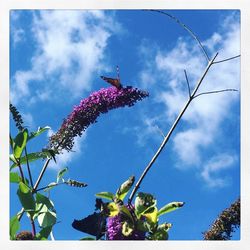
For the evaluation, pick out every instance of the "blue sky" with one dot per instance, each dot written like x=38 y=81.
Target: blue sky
x=57 y=58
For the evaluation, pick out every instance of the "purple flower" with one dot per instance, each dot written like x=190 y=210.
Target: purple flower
x=89 y=109
x=114 y=229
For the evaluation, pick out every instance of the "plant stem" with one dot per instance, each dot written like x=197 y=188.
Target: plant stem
x=41 y=175
x=33 y=227
x=28 y=167
x=21 y=172
x=56 y=184
x=165 y=140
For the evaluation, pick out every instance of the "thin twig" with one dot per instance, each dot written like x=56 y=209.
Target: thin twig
x=187 y=29
x=28 y=167
x=227 y=59
x=56 y=184
x=41 y=175
x=170 y=132
x=214 y=92
x=189 y=92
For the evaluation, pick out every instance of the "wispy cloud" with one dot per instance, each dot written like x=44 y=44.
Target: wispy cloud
x=206 y=114
x=211 y=172
x=69 y=48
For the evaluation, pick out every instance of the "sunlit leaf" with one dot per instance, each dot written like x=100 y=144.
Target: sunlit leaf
x=47 y=219
x=143 y=202
x=12 y=158
x=50 y=186
x=152 y=215
x=124 y=188
x=15 y=178
x=20 y=143
x=31 y=157
x=106 y=195
x=38 y=132
x=26 y=198
x=113 y=209
x=44 y=200
x=44 y=233
x=61 y=174
x=170 y=207
x=14 y=226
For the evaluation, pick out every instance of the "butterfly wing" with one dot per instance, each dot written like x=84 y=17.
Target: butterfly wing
x=113 y=81
x=94 y=224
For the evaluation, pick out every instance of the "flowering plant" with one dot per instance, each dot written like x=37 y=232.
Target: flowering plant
x=119 y=221
x=37 y=206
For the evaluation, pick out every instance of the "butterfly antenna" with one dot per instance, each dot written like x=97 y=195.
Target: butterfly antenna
x=118 y=73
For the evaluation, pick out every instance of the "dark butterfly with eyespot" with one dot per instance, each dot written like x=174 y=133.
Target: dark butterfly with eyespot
x=116 y=82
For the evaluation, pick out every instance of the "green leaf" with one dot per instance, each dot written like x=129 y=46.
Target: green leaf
x=88 y=238
x=14 y=226
x=38 y=132
x=26 y=198
x=50 y=186
x=151 y=215
x=12 y=158
x=12 y=143
x=106 y=195
x=160 y=234
x=31 y=157
x=124 y=188
x=20 y=143
x=113 y=209
x=61 y=174
x=15 y=178
x=170 y=207
x=47 y=219
x=42 y=199
x=143 y=202
x=44 y=233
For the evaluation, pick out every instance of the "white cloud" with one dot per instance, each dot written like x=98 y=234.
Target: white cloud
x=28 y=120
x=211 y=171
x=18 y=35
x=69 y=48
x=205 y=115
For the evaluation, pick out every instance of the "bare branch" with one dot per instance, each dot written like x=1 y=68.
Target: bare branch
x=187 y=83
x=214 y=92
x=187 y=29
x=227 y=59
x=166 y=138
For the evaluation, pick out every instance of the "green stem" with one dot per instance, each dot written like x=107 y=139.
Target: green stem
x=28 y=167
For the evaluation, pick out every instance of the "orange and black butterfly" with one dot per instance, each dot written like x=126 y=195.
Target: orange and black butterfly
x=114 y=81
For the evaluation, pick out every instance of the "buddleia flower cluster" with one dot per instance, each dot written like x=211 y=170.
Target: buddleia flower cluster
x=16 y=117
x=225 y=224
x=118 y=220
x=89 y=109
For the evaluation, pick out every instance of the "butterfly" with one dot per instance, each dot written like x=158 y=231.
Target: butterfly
x=113 y=81
x=93 y=224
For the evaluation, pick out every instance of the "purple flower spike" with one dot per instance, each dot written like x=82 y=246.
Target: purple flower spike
x=114 y=229
x=89 y=109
